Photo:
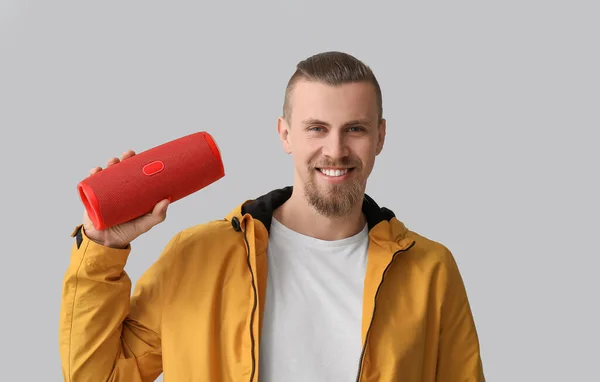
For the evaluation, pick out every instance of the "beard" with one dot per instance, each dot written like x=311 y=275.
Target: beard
x=334 y=200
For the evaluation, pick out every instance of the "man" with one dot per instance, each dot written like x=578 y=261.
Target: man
x=312 y=282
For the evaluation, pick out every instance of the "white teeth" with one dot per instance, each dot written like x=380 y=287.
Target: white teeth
x=334 y=172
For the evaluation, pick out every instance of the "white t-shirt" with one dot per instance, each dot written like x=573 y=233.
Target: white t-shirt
x=313 y=308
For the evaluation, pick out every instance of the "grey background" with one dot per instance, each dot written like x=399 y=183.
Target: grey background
x=492 y=146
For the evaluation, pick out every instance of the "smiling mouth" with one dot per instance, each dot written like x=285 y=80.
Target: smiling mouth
x=334 y=172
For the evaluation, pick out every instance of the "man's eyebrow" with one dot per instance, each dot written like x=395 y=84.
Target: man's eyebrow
x=363 y=121
x=314 y=121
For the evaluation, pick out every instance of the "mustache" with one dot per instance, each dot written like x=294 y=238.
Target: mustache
x=344 y=162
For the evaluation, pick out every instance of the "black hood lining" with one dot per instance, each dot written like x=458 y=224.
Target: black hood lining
x=262 y=208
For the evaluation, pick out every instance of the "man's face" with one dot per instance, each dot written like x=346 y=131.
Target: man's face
x=334 y=135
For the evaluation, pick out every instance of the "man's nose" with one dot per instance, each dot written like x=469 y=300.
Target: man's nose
x=335 y=146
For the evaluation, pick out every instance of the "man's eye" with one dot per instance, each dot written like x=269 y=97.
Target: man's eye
x=316 y=128
x=356 y=128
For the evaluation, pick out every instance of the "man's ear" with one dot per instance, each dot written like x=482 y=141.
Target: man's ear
x=283 y=129
x=380 y=136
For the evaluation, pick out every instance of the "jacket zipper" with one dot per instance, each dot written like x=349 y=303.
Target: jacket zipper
x=252 y=340
x=364 y=349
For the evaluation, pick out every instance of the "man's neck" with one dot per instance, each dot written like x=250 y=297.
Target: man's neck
x=298 y=215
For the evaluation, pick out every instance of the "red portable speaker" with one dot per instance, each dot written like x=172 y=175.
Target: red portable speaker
x=132 y=187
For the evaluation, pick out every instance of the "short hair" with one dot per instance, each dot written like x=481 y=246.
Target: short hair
x=332 y=68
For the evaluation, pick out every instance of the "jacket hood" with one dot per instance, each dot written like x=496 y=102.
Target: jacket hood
x=384 y=228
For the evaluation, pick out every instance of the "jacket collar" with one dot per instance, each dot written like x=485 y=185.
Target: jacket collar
x=384 y=228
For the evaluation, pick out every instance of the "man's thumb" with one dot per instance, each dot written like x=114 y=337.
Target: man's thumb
x=158 y=215
x=159 y=212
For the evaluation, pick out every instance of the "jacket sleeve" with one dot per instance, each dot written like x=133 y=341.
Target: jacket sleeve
x=105 y=332
x=459 y=358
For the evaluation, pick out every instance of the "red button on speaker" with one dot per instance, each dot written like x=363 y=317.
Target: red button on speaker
x=153 y=168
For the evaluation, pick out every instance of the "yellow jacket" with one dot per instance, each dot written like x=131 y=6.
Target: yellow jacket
x=196 y=313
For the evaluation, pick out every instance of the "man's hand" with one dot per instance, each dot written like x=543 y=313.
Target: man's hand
x=119 y=236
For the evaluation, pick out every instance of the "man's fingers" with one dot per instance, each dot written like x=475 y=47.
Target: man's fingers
x=127 y=154
x=95 y=170
x=112 y=161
